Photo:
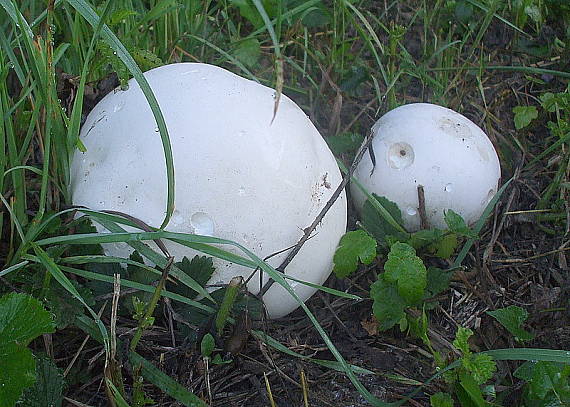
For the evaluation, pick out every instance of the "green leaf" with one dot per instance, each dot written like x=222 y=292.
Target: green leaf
x=207 y=345
x=22 y=319
x=437 y=281
x=375 y=222
x=407 y=270
x=248 y=52
x=445 y=248
x=425 y=237
x=456 y=224
x=524 y=115
x=461 y=341
x=48 y=388
x=344 y=142
x=441 y=400
x=353 y=246
x=388 y=306
x=217 y=360
x=512 y=318
x=120 y=15
x=480 y=366
x=472 y=391
x=545 y=379
x=17 y=373
x=201 y=269
x=145 y=59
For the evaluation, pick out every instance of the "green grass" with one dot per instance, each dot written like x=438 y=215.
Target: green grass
x=314 y=51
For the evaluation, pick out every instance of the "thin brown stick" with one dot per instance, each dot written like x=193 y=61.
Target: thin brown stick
x=308 y=230
x=424 y=224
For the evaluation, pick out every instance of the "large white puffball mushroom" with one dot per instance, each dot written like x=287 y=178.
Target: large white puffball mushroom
x=239 y=176
x=437 y=148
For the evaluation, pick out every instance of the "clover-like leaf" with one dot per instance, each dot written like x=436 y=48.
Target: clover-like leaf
x=512 y=318
x=407 y=270
x=354 y=246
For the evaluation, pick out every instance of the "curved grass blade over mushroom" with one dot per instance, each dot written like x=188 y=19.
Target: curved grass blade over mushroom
x=92 y=18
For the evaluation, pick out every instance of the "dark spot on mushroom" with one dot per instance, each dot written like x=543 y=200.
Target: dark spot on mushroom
x=402 y=153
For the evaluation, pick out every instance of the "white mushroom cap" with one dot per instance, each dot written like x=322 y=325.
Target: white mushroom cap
x=238 y=176
x=429 y=145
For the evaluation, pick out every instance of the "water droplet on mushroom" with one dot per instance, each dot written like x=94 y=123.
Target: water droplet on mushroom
x=448 y=188
x=202 y=224
x=411 y=211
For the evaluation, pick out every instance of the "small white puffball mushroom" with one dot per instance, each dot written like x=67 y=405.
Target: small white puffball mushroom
x=239 y=176
x=437 y=148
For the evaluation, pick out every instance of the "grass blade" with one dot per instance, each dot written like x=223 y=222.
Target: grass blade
x=92 y=18
x=165 y=382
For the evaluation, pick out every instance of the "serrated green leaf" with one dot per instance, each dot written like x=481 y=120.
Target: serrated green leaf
x=480 y=366
x=512 y=318
x=207 y=345
x=200 y=268
x=17 y=373
x=407 y=270
x=441 y=400
x=145 y=59
x=461 y=341
x=22 y=319
x=353 y=246
x=456 y=224
x=248 y=52
x=48 y=388
x=377 y=225
x=524 y=115
x=388 y=306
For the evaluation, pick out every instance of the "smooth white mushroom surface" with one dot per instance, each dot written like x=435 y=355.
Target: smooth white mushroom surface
x=238 y=175
x=437 y=148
